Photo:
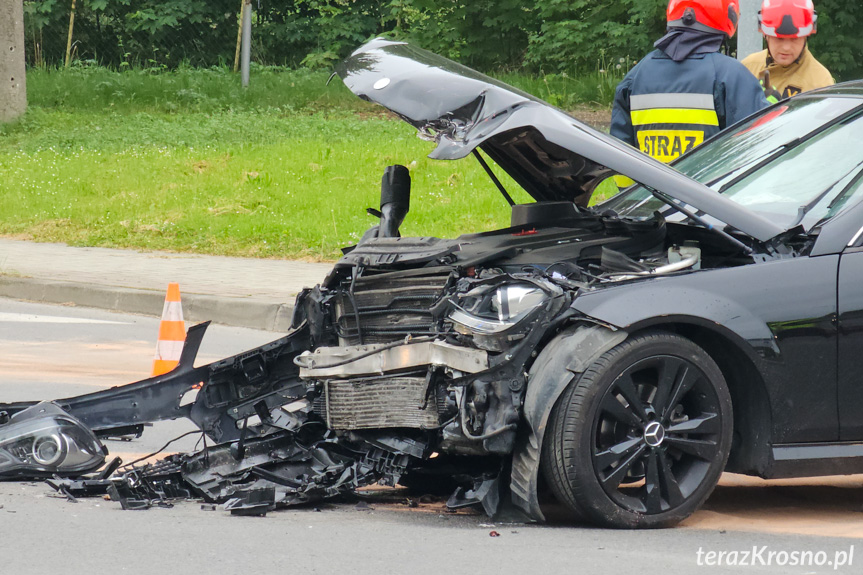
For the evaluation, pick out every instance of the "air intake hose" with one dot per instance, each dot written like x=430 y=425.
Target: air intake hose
x=395 y=200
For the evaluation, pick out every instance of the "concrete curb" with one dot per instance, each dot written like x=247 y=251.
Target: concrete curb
x=235 y=311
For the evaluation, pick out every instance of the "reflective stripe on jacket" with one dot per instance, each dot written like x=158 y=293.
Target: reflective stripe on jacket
x=665 y=108
x=669 y=125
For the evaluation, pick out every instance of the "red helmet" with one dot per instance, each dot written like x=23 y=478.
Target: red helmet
x=707 y=15
x=787 y=18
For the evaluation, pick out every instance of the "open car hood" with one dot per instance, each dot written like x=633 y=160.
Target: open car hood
x=550 y=154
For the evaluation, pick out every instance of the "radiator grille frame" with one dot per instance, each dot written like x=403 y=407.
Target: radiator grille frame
x=388 y=308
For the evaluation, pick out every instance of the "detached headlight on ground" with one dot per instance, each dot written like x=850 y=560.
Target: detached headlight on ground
x=45 y=440
x=496 y=311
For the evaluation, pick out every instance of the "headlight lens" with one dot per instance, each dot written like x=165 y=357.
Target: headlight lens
x=511 y=302
x=44 y=440
x=497 y=311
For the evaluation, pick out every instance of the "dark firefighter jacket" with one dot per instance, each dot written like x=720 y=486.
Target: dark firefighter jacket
x=665 y=108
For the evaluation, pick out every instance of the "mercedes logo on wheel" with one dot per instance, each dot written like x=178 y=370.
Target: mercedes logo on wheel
x=654 y=433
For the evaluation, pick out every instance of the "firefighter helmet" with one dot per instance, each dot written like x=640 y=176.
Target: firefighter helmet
x=706 y=15
x=787 y=18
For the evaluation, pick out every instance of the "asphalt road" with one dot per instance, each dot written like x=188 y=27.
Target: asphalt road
x=50 y=352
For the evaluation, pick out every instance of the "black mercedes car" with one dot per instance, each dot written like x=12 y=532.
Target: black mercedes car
x=617 y=357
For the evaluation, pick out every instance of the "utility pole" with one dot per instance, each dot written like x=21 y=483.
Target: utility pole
x=247 y=41
x=749 y=39
x=13 y=88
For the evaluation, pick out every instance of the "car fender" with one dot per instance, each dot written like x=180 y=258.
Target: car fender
x=637 y=306
x=558 y=364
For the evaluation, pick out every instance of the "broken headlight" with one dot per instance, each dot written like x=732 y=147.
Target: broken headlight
x=45 y=440
x=494 y=311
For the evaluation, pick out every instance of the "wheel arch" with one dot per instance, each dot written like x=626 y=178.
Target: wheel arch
x=559 y=363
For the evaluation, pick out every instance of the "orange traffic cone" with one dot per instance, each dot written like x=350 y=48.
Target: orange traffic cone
x=172 y=333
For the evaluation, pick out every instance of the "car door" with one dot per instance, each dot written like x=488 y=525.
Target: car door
x=845 y=234
x=850 y=340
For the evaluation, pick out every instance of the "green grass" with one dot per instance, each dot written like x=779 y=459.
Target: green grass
x=188 y=90
x=283 y=170
x=207 y=90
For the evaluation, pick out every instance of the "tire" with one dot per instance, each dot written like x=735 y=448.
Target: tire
x=641 y=438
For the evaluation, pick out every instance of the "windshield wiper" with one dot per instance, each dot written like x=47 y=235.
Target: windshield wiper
x=721 y=177
x=840 y=196
x=806 y=208
x=780 y=151
x=666 y=199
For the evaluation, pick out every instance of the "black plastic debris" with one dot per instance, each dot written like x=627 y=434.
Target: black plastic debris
x=252 y=503
x=485 y=492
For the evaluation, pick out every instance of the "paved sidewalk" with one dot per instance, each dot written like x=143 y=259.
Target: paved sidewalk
x=234 y=291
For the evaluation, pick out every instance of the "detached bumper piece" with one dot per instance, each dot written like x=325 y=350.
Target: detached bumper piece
x=151 y=486
x=279 y=470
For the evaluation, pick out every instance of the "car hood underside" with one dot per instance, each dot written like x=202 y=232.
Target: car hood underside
x=550 y=154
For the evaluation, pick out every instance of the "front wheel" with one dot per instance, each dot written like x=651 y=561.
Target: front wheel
x=641 y=438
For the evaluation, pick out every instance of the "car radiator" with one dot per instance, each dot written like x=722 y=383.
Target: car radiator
x=387 y=308
x=377 y=403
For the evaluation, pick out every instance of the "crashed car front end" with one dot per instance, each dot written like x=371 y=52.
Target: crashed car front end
x=393 y=369
x=422 y=358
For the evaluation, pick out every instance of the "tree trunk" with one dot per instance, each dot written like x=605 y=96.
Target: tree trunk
x=69 y=38
x=13 y=88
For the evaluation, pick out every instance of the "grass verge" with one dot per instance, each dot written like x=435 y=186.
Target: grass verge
x=123 y=160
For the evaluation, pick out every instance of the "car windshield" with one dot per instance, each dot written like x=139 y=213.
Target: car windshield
x=778 y=164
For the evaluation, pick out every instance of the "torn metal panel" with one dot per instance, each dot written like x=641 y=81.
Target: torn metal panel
x=229 y=390
x=383 y=358
x=484 y=492
x=550 y=154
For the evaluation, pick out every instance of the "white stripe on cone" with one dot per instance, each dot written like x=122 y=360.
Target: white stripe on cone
x=173 y=311
x=169 y=350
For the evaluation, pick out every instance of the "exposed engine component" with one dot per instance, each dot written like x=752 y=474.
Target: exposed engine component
x=411 y=346
x=395 y=200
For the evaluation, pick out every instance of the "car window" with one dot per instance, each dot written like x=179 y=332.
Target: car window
x=761 y=135
x=769 y=192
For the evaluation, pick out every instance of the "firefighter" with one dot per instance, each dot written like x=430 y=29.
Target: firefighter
x=787 y=68
x=685 y=91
